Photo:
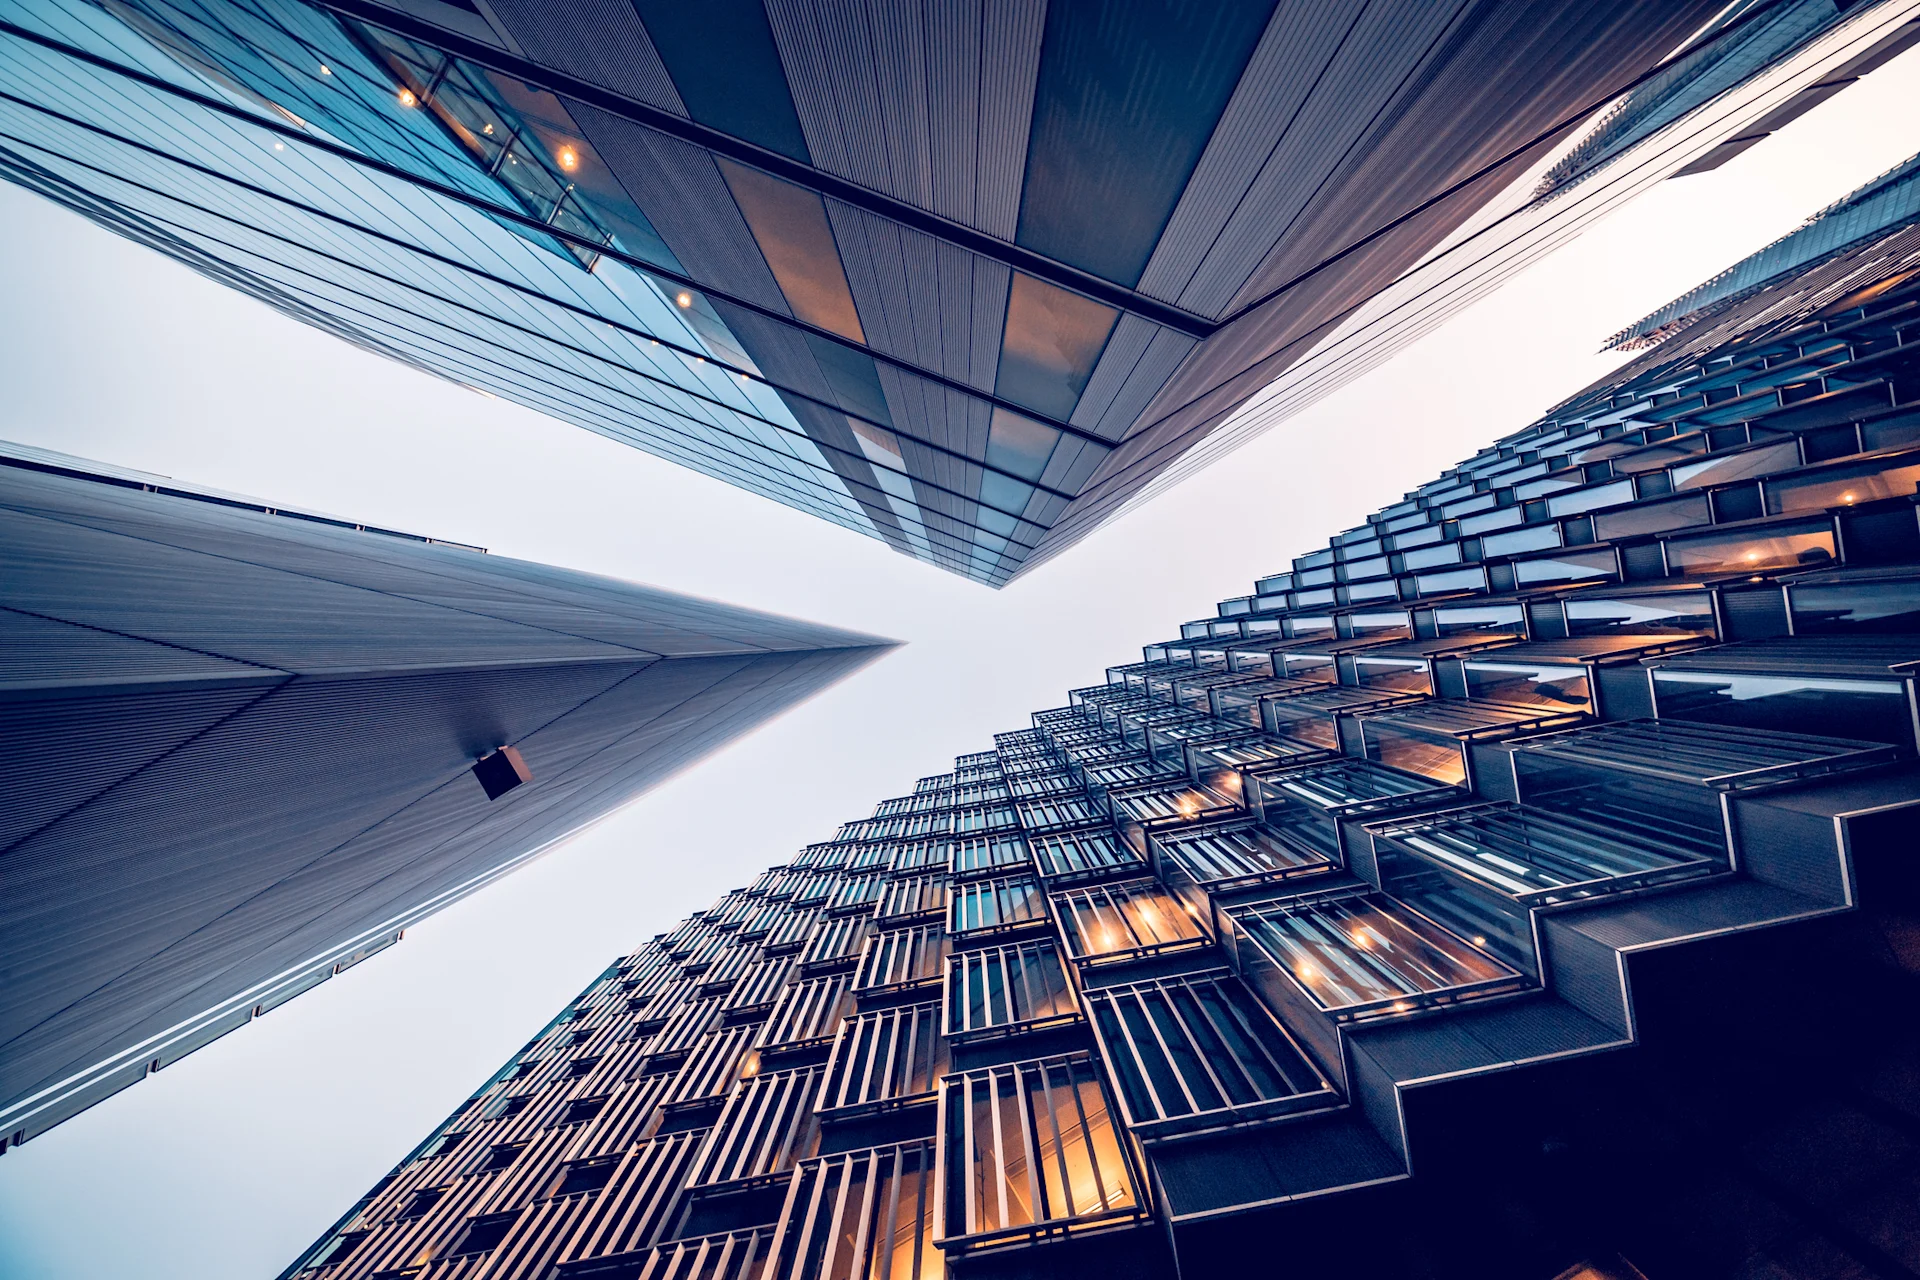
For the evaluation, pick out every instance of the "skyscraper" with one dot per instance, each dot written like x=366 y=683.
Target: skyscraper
x=1519 y=885
x=967 y=278
x=248 y=746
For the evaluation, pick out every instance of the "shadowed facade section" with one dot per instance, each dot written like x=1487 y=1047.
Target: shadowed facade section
x=243 y=745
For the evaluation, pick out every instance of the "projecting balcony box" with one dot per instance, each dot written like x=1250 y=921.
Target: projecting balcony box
x=1486 y=871
x=1061 y=813
x=1671 y=779
x=1837 y=685
x=1450 y=741
x=766 y=1127
x=1032 y=1151
x=1014 y=989
x=1136 y=727
x=995 y=853
x=1429 y=667
x=1600 y=675
x=1195 y=692
x=1728 y=549
x=896 y=962
x=1327 y=660
x=1099 y=780
x=1852 y=602
x=1318 y=805
x=1237 y=698
x=1125 y=920
x=1082 y=856
x=1138 y=811
x=999 y=906
x=884 y=1060
x=1226 y=764
x=1326 y=960
x=914 y=897
x=1676 y=609
x=1324 y=717
x=1197 y=1053
x=1872 y=496
x=868 y=1213
x=1204 y=862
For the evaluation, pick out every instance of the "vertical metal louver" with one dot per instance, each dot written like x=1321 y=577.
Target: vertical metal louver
x=988 y=906
x=836 y=941
x=906 y=856
x=732 y=1255
x=1001 y=990
x=899 y=958
x=1124 y=919
x=790 y=930
x=712 y=1066
x=758 y=987
x=857 y=891
x=861 y=1215
x=973 y=855
x=1030 y=1148
x=633 y=1209
x=767 y=1126
x=1197 y=1048
x=889 y=1057
x=1068 y=856
x=913 y=896
x=806 y=1013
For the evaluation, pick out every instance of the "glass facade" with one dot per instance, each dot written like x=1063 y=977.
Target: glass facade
x=789 y=256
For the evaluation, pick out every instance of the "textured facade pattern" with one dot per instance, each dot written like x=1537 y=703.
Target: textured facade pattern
x=244 y=742
x=967 y=278
x=1518 y=884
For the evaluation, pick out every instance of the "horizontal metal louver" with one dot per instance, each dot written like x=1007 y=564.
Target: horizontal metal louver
x=1124 y=919
x=901 y=958
x=1005 y=902
x=861 y=1215
x=1030 y=1148
x=766 y=1126
x=999 y=990
x=1185 y=1050
x=886 y=1057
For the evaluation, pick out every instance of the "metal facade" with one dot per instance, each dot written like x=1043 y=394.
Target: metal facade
x=969 y=278
x=242 y=742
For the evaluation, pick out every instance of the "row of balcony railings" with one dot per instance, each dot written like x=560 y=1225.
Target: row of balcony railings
x=972 y=1020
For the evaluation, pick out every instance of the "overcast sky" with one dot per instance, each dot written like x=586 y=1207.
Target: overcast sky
x=227 y=1165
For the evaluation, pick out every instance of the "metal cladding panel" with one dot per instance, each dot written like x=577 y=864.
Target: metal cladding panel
x=188 y=842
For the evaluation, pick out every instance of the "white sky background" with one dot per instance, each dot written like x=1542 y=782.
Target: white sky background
x=227 y=1165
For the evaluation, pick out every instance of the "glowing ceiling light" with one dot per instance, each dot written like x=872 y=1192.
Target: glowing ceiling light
x=325 y=70
x=683 y=298
x=407 y=99
x=279 y=146
x=1846 y=497
x=569 y=159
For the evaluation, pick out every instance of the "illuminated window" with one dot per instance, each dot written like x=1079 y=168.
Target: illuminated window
x=886 y=1058
x=1016 y=987
x=1120 y=921
x=863 y=1213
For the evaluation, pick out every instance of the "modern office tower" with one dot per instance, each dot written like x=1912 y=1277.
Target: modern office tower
x=968 y=278
x=247 y=746
x=1520 y=885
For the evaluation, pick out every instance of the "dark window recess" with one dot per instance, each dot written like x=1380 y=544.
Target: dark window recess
x=1126 y=99
x=510 y=1106
x=581 y=1110
x=442 y=1144
x=1643 y=563
x=501 y=771
x=1742 y=502
x=588 y=1175
x=337 y=1248
x=581 y=1066
x=484 y=1234
x=1830 y=442
x=423 y=1201
x=502 y=1156
x=1881 y=537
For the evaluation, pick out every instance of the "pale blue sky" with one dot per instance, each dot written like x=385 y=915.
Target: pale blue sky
x=226 y=1165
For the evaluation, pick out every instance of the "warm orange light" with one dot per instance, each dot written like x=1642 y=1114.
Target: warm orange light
x=569 y=159
x=1479 y=942
x=486 y=129
x=1753 y=555
x=407 y=99
x=684 y=299
x=1846 y=497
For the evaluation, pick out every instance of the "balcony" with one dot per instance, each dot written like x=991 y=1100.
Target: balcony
x=869 y=1214
x=1006 y=990
x=1125 y=920
x=883 y=1060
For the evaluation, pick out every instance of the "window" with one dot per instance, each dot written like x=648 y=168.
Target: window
x=860 y=1213
x=1798 y=546
x=581 y=1110
x=1006 y=902
x=511 y=1105
x=766 y=1126
x=988 y=853
x=1234 y=856
x=583 y=1176
x=901 y=958
x=442 y=1145
x=1051 y=342
x=581 y=1066
x=422 y=1201
x=501 y=1156
x=1030 y=1146
x=1019 y=987
x=886 y=1058
x=1195 y=1047
x=484 y=1234
x=1124 y=920
x=807 y=1012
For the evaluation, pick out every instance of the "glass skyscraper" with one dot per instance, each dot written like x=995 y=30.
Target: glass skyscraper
x=969 y=278
x=1519 y=884
x=248 y=746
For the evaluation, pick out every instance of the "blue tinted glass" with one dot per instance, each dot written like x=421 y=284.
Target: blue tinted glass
x=720 y=54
